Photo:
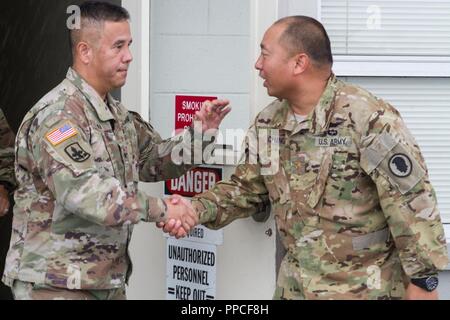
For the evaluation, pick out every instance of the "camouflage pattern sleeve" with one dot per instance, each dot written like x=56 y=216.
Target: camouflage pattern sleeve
x=391 y=156
x=76 y=182
x=6 y=154
x=242 y=196
x=155 y=159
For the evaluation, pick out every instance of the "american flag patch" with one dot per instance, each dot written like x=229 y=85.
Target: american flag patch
x=61 y=134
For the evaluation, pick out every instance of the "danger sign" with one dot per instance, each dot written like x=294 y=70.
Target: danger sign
x=185 y=109
x=194 y=182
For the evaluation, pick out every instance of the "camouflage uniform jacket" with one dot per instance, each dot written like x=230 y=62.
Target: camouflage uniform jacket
x=6 y=154
x=78 y=163
x=351 y=198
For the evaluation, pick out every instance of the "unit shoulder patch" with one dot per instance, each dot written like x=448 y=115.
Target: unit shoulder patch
x=77 y=153
x=400 y=165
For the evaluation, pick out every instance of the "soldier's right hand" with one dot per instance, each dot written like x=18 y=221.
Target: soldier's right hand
x=181 y=217
x=212 y=113
x=4 y=201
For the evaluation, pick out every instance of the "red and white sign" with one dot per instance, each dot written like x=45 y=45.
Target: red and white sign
x=185 y=109
x=194 y=182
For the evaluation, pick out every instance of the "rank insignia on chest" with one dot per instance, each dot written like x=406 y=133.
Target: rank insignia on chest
x=77 y=153
x=61 y=134
x=332 y=132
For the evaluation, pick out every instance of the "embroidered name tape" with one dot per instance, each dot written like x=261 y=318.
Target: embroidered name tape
x=336 y=141
x=60 y=135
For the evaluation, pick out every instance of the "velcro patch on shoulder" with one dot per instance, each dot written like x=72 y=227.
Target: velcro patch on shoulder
x=73 y=153
x=372 y=156
x=61 y=134
x=394 y=161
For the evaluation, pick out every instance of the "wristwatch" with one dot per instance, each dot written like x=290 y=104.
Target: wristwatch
x=428 y=283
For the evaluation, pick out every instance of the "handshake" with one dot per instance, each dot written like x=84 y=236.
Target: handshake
x=181 y=217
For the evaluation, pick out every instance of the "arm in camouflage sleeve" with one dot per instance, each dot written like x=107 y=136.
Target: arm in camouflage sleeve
x=155 y=160
x=6 y=154
x=78 y=185
x=242 y=196
x=390 y=155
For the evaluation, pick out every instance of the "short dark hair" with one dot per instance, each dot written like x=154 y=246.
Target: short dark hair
x=103 y=11
x=96 y=13
x=306 y=34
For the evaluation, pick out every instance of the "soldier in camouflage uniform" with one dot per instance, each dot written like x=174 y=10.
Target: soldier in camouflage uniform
x=7 y=179
x=80 y=155
x=7 y=185
x=351 y=195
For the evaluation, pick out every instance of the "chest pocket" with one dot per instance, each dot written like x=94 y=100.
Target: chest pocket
x=100 y=138
x=132 y=151
x=310 y=167
x=318 y=187
x=272 y=157
x=120 y=144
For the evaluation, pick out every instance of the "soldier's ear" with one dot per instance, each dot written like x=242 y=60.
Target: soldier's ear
x=84 y=52
x=301 y=61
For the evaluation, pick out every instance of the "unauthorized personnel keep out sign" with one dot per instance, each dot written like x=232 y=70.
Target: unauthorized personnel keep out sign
x=191 y=270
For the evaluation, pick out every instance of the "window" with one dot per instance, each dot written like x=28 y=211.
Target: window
x=393 y=28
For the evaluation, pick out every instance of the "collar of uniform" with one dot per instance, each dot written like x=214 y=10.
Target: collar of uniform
x=285 y=118
x=318 y=120
x=323 y=112
x=278 y=117
x=291 y=123
x=91 y=95
x=120 y=111
x=275 y=116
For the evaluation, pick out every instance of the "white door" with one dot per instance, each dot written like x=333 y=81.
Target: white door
x=206 y=48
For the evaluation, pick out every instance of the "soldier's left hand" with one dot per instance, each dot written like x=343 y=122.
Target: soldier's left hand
x=415 y=293
x=182 y=217
x=175 y=227
x=212 y=114
x=4 y=201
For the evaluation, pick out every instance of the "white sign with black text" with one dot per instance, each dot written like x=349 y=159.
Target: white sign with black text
x=191 y=270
